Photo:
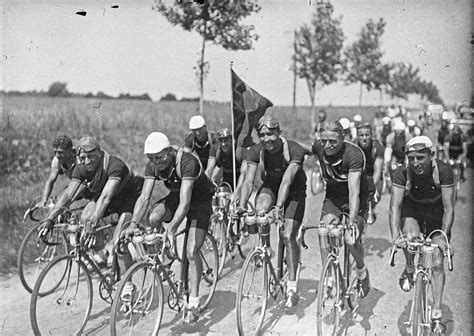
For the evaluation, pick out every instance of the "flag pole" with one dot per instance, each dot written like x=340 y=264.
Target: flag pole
x=234 y=175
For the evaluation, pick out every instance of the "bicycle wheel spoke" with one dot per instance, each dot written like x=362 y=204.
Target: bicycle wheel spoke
x=252 y=295
x=62 y=293
x=138 y=302
x=330 y=300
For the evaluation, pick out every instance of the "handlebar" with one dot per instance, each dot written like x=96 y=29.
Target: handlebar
x=416 y=247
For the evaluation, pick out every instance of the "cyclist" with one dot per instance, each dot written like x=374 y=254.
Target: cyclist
x=394 y=154
x=284 y=185
x=442 y=134
x=190 y=196
x=356 y=121
x=456 y=147
x=422 y=200
x=343 y=166
x=386 y=130
x=346 y=125
x=110 y=186
x=63 y=163
x=374 y=155
x=412 y=129
x=200 y=141
x=319 y=124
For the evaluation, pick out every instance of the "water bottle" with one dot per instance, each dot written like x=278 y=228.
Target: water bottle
x=137 y=240
x=251 y=223
x=335 y=237
x=427 y=256
x=151 y=241
x=73 y=229
x=323 y=232
x=263 y=224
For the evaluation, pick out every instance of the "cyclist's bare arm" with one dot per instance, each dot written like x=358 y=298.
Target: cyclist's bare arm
x=378 y=168
x=247 y=184
x=185 y=193
x=211 y=164
x=243 y=170
x=141 y=205
x=353 y=181
x=216 y=172
x=65 y=199
x=396 y=201
x=110 y=189
x=447 y=195
x=48 y=187
x=288 y=178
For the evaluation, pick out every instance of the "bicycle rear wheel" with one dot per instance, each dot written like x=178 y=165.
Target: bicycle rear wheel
x=210 y=269
x=34 y=254
x=330 y=299
x=418 y=314
x=61 y=301
x=252 y=294
x=141 y=312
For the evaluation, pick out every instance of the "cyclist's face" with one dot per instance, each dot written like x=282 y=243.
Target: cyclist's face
x=200 y=133
x=90 y=160
x=332 y=142
x=161 y=160
x=321 y=117
x=225 y=144
x=364 y=137
x=60 y=153
x=420 y=162
x=268 y=138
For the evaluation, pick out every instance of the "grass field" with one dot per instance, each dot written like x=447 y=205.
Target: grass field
x=29 y=124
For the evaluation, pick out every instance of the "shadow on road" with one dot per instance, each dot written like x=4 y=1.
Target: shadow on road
x=404 y=317
x=376 y=246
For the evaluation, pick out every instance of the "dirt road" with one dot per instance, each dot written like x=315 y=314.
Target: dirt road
x=382 y=312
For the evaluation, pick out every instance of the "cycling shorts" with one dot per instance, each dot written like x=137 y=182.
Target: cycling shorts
x=199 y=213
x=329 y=207
x=294 y=205
x=455 y=152
x=428 y=215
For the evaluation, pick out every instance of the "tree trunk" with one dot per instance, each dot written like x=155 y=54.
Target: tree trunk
x=201 y=78
x=360 y=95
x=312 y=98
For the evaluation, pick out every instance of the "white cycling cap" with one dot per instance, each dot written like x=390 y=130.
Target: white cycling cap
x=357 y=117
x=411 y=123
x=156 y=142
x=418 y=143
x=345 y=123
x=196 y=122
x=399 y=126
x=386 y=120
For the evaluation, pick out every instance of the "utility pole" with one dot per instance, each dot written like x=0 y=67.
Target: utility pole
x=294 y=73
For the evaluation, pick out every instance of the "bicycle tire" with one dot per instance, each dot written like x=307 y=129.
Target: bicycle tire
x=330 y=296
x=210 y=264
x=34 y=255
x=254 y=270
x=144 y=313
x=76 y=280
x=418 y=307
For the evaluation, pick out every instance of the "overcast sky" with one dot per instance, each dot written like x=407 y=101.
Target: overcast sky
x=134 y=50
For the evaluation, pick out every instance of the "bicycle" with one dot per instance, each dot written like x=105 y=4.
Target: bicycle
x=229 y=242
x=34 y=254
x=142 y=312
x=336 y=285
x=259 y=278
x=57 y=294
x=420 y=311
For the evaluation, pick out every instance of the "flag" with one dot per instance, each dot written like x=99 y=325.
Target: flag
x=248 y=107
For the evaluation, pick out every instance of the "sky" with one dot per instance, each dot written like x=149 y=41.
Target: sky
x=133 y=49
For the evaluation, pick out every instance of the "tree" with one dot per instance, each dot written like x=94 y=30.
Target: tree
x=318 y=52
x=58 y=89
x=364 y=57
x=168 y=97
x=381 y=79
x=218 y=22
x=403 y=80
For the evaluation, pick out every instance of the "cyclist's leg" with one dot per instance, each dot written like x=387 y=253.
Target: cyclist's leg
x=163 y=210
x=329 y=215
x=264 y=200
x=198 y=218
x=411 y=228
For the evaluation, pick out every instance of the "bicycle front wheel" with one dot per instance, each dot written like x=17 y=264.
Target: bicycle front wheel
x=61 y=301
x=252 y=294
x=138 y=302
x=34 y=254
x=418 y=314
x=330 y=299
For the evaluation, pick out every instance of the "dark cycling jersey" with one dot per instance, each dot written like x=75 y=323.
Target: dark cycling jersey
x=190 y=169
x=202 y=148
x=336 y=172
x=442 y=134
x=225 y=161
x=275 y=164
x=371 y=153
